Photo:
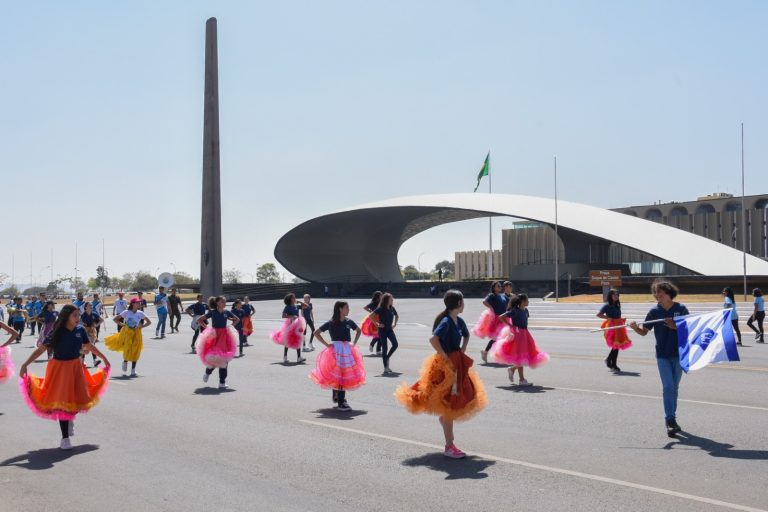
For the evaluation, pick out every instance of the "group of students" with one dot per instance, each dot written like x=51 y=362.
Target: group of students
x=447 y=387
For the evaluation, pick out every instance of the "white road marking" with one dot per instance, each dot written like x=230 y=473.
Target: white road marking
x=551 y=469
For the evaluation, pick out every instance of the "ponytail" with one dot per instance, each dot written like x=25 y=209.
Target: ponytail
x=452 y=300
x=212 y=303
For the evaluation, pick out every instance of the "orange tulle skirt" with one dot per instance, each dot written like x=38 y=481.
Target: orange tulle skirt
x=446 y=387
x=616 y=338
x=67 y=389
x=247 y=326
x=370 y=328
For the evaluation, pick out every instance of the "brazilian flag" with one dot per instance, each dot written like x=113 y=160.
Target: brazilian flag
x=486 y=169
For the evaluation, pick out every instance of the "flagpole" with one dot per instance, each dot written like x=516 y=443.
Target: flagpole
x=490 y=223
x=557 y=249
x=743 y=217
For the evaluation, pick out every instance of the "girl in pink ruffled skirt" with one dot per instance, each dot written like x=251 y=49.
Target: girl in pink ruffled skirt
x=515 y=345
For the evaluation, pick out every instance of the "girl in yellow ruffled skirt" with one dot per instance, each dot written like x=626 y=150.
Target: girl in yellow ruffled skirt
x=128 y=339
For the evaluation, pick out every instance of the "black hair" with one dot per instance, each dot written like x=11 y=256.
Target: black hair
x=386 y=300
x=613 y=294
x=213 y=302
x=237 y=302
x=60 y=327
x=728 y=291
x=289 y=299
x=516 y=300
x=337 y=307
x=452 y=300
x=376 y=296
x=494 y=284
x=665 y=286
x=757 y=292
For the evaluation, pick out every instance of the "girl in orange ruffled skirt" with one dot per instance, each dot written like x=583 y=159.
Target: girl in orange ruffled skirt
x=448 y=386
x=616 y=339
x=68 y=388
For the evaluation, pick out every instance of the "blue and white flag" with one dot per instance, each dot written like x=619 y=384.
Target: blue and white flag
x=705 y=339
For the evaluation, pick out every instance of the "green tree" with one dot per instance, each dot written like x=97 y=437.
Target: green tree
x=34 y=290
x=182 y=278
x=102 y=278
x=11 y=291
x=411 y=273
x=93 y=283
x=143 y=281
x=267 y=273
x=231 y=276
x=447 y=267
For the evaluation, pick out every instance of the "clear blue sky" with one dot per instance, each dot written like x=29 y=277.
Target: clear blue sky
x=326 y=105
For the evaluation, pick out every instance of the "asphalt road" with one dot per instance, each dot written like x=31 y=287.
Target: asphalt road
x=582 y=438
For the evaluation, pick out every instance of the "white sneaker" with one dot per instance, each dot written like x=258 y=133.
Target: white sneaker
x=223 y=386
x=511 y=375
x=301 y=360
x=311 y=348
x=133 y=374
x=65 y=444
x=304 y=349
x=205 y=377
x=285 y=359
x=125 y=366
x=370 y=349
x=71 y=428
x=484 y=356
x=524 y=383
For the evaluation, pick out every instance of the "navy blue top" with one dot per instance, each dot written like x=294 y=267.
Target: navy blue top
x=386 y=316
x=666 y=338
x=372 y=305
x=248 y=309
x=89 y=319
x=340 y=331
x=498 y=302
x=49 y=316
x=519 y=317
x=451 y=333
x=198 y=308
x=239 y=313
x=290 y=311
x=611 y=311
x=306 y=310
x=69 y=345
x=219 y=320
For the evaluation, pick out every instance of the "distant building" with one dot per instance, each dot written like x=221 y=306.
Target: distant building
x=474 y=265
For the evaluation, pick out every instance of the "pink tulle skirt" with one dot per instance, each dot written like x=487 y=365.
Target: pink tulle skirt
x=217 y=346
x=339 y=367
x=6 y=364
x=516 y=347
x=488 y=325
x=291 y=333
x=44 y=332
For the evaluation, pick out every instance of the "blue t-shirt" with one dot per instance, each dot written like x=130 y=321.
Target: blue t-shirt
x=49 y=316
x=498 y=302
x=239 y=313
x=451 y=333
x=340 y=331
x=729 y=304
x=161 y=303
x=219 y=320
x=97 y=306
x=386 y=316
x=666 y=338
x=760 y=303
x=306 y=311
x=198 y=308
x=38 y=307
x=79 y=304
x=611 y=311
x=89 y=319
x=519 y=317
x=68 y=347
x=30 y=307
x=249 y=310
x=18 y=316
x=290 y=311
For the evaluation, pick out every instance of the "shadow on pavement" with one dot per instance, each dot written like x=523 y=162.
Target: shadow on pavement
x=289 y=363
x=626 y=374
x=390 y=375
x=46 y=458
x=525 y=389
x=335 y=414
x=714 y=448
x=122 y=377
x=493 y=365
x=469 y=468
x=213 y=391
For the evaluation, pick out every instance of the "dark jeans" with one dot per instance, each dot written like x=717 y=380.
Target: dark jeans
x=222 y=374
x=735 y=324
x=311 y=327
x=759 y=316
x=32 y=327
x=18 y=326
x=376 y=341
x=175 y=315
x=64 y=426
x=384 y=336
x=339 y=395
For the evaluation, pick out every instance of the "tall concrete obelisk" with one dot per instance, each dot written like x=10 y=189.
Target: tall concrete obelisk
x=210 y=239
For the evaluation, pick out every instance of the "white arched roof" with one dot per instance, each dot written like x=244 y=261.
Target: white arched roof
x=347 y=239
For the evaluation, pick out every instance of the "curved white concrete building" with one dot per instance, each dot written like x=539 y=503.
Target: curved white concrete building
x=361 y=244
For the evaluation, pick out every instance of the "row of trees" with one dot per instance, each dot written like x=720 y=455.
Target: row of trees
x=266 y=273
x=411 y=273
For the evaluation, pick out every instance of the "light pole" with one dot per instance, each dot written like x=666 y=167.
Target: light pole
x=418 y=263
x=174 y=268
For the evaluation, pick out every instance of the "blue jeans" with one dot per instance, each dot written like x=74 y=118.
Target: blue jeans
x=670 y=372
x=162 y=316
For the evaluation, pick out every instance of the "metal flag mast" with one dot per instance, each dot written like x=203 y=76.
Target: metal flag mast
x=490 y=223
x=743 y=217
x=557 y=247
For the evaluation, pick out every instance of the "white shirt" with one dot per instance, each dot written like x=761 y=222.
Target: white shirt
x=132 y=318
x=120 y=306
